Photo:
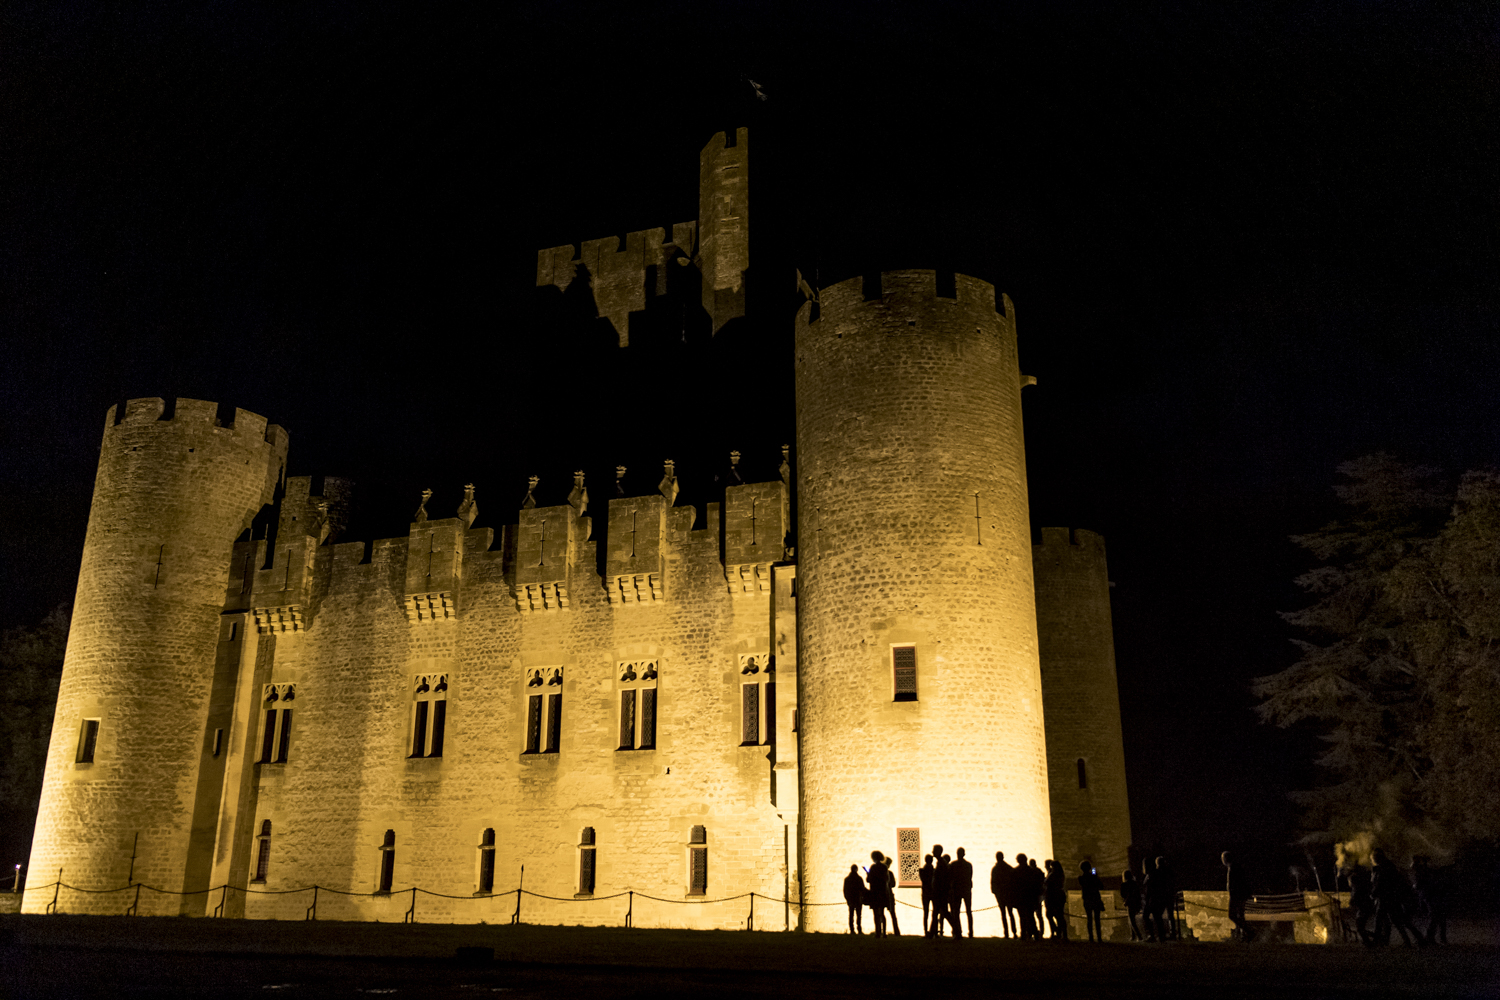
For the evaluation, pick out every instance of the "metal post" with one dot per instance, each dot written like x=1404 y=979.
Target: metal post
x=56 y=888
x=516 y=917
x=223 y=898
x=750 y=923
x=630 y=908
x=312 y=911
x=133 y=844
x=411 y=914
x=134 y=909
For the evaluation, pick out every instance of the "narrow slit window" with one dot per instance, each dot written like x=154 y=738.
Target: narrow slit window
x=698 y=862
x=627 y=719
x=263 y=853
x=554 y=723
x=648 y=719
x=487 y=862
x=268 y=739
x=285 y=742
x=904 y=670
x=749 y=714
x=534 y=724
x=770 y=712
x=1083 y=774
x=419 y=729
x=218 y=742
x=439 y=726
x=587 y=857
x=388 y=861
x=88 y=739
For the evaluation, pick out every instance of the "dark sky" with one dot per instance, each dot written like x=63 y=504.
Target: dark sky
x=1245 y=242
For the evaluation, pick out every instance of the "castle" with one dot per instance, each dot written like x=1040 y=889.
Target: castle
x=627 y=696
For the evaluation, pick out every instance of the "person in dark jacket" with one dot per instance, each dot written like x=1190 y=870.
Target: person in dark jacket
x=1002 y=885
x=1130 y=893
x=1392 y=894
x=1056 y=893
x=1022 y=880
x=1036 y=889
x=890 y=890
x=1167 y=890
x=878 y=878
x=1361 y=902
x=1432 y=898
x=942 y=888
x=1239 y=894
x=925 y=873
x=854 y=896
x=961 y=889
x=1091 y=888
x=1151 y=902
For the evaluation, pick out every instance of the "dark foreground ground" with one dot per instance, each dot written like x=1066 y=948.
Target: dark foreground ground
x=75 y=956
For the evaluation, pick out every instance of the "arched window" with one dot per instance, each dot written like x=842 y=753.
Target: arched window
x=586 y=859
x=1083 y=774
x=429 y=714
x=388 y=861
x=263 y=852
x=698 y=862
x=487 y=863
x=637 y=687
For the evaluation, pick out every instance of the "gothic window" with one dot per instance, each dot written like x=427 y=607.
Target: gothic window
x=1083 y=774
x=429 y=714
x=88 y=740
x=904 y=672
x=544 y=699
x=908 y=855
x=698 y=862
x=263 y=852
x=757 y=699
x=387 y=861
x=636 y=682
x=586 y=861
x=276 y=737
x=487 y=863
x=218 y=742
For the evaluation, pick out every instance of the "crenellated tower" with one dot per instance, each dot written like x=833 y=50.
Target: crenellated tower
x=121 y=796
x=920 y=697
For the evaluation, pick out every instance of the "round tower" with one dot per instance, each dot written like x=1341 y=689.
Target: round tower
x=129 y=734
x=1085 y=748
x=919 y=694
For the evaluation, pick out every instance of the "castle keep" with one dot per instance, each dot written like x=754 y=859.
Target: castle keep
x=626 y=695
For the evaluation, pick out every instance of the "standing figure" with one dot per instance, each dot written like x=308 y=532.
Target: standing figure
x=879 y=883
x=1167 y=891
x=1036 y=889
x=1130 y=892
x=1362 y=902
x=962 y=893
x=1092 y=887
x=1057 y=900
x=1002 y=882
x=854 y=896
x=942 y=887
x=1151 y=901
x=1392 y=893
x=925 y=873
x=1020 y=885
x=1432 y=898
x=890 y=889
x=1239 y=894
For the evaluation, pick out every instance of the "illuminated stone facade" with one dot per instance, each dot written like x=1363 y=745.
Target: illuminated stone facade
x=628 y=696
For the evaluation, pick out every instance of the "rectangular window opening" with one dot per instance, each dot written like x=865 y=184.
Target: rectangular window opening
x=88 y=739
x=770 y=712
x=554 y=723
x=268 y=739
x=648 y=719
x=439 y=725
x=586 y=871
x=263 y=860
x=419 y=729
x=1083 y=774
x=286 y=736
x=627 y=719
x=904 y=669
x=487 y=870
x=908 y=855
x=387 y=869
x=749 y=714
x=534 y=724
x=698 y=875
x=218 y=742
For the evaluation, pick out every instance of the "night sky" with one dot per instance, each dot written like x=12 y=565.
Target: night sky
x=1245 y=243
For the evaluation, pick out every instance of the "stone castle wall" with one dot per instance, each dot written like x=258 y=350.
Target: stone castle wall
x=1091 y=811
x=170 y=497
x=914 y=531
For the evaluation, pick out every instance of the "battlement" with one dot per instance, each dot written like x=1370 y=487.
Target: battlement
x=906 y=289
x=186 y=412
x=1063 y=539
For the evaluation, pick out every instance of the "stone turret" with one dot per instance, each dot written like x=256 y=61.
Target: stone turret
x=920 y=697
x=127 y=766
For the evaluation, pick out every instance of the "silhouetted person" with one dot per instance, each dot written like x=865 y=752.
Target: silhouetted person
x=854 y=896
x=1362 y=902
x=1151 y=902
x=1057 y=900
x=1432 y=898
x=890 y=890
x=962 y=892
x=1091 y=887
x=1392 y=894
x=1239 y=894
x=1167 y=890
x=1036 y=888
x=942 y=889
x=879 y=882
x=1002 y=885
x=1130 y=892
x=1022 y=884
x=925 y=873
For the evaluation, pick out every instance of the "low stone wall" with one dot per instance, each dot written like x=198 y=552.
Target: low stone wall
x=1207 y=916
